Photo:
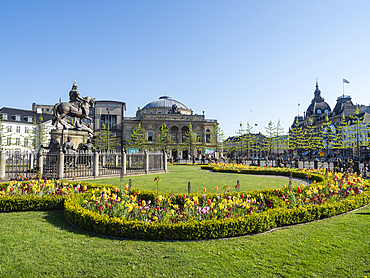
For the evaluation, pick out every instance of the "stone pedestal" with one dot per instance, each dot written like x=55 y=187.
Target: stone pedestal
x=78 y=136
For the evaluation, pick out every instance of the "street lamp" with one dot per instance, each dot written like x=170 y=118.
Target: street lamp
x=108 y=129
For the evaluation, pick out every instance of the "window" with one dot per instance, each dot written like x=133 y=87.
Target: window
x=112 y=121
x=26 y=129
x=10 y=128
x=318 y=111
x=208 y=138
x=9 y=140
x=18 y=129
x=29 y=119
x=5 y=116
x=326 y=111
x=26 y=142
x=198 y=137
x=18 y=141
x=17 y=118
x=150 y=136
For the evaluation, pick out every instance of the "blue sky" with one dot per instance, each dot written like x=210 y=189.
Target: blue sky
x=238 y=61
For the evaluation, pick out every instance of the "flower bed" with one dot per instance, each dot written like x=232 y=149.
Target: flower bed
x=148 y=215
x=39 y=194
x=202 y=216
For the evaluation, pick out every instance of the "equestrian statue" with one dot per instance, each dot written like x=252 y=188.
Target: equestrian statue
x=77 y=107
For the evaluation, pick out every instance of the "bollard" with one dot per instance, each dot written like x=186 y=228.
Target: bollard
x=61 y=165
x=165 y=161
x=96 y=164
x=2 y=165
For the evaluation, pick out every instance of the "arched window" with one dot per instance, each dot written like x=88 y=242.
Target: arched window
x=174 y=134
x=184 y=132
x=318 y=111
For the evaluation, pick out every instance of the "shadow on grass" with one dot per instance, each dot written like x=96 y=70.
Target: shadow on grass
x=363 y=213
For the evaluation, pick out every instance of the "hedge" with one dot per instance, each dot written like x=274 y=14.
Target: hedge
x=208 y=229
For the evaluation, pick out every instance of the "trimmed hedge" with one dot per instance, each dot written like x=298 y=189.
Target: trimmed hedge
x=208 y=229
x=268 y=171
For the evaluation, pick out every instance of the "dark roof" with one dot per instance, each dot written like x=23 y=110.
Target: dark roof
x=317 y=103
x=12 y=112
x=165 y=102
x=341 y=101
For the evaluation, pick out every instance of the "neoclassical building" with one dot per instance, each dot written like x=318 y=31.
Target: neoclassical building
x=177 y=118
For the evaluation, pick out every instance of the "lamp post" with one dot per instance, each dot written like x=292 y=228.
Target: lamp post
x=108 y=129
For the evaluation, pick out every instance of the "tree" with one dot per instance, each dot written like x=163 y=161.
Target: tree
x=164 y=139
x=296 y=137
x=328 y=135
x=4 y=133
x=106 y=140
x=38 y=135
x=138 y=138
x=340 y=142
x=278 y=137
x=310 y=140
x=190 y=140
x=240 y=140
x=250 y=139
x=217 y=137
x=357 y=131
x=270 y=134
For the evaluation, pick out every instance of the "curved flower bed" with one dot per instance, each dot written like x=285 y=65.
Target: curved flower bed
x=202 y=216
x=148 y=215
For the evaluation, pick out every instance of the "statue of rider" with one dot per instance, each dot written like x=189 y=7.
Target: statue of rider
x=75 y=99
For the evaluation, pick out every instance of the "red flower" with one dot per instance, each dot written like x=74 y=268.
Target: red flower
x=242 y=196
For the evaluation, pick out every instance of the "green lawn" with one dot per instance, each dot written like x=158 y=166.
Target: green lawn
x=176 y=181
x=44 y=244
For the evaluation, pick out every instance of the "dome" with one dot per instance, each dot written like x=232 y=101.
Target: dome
x=318 y=105
x=165 y=102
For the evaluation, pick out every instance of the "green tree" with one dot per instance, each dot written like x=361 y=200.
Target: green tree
x=38 y=134
x=250 y=139
x=240 y=140
x=4 y=133
x=190 y=140
x=138 y=138
x=296 y=137
x=279 y=138
x=106 y=140
x=328 y=135
x=356 y=132
x=217 y=137
x=163 y=141
x=270 y=135
x=340 y=142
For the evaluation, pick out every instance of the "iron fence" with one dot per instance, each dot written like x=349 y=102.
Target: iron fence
x=20 y=165
x=110 y=163
x=135 y=162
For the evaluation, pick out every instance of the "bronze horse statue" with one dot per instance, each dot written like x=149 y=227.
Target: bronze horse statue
x=68 y=109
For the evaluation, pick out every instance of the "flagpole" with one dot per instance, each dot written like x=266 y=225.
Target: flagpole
x=343 y=86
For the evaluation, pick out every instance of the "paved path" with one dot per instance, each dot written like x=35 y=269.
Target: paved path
x=300 y=181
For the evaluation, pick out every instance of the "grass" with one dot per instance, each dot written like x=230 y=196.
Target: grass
x=44 y=244
x=176 y=181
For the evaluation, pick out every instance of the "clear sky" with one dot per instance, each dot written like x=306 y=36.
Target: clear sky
x=239 y=61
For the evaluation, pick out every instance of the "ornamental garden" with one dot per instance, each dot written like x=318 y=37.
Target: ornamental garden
x=127 y=212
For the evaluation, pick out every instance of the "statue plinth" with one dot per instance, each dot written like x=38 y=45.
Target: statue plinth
x=78 y=136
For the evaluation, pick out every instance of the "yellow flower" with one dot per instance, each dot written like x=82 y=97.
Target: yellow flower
x=215 y=211
x=160 y=198
x=126 y=187
x=155 y=218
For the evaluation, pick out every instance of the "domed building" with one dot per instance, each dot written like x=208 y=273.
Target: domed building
x=178 y=118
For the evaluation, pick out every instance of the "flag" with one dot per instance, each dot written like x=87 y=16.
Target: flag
x=345 y=81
